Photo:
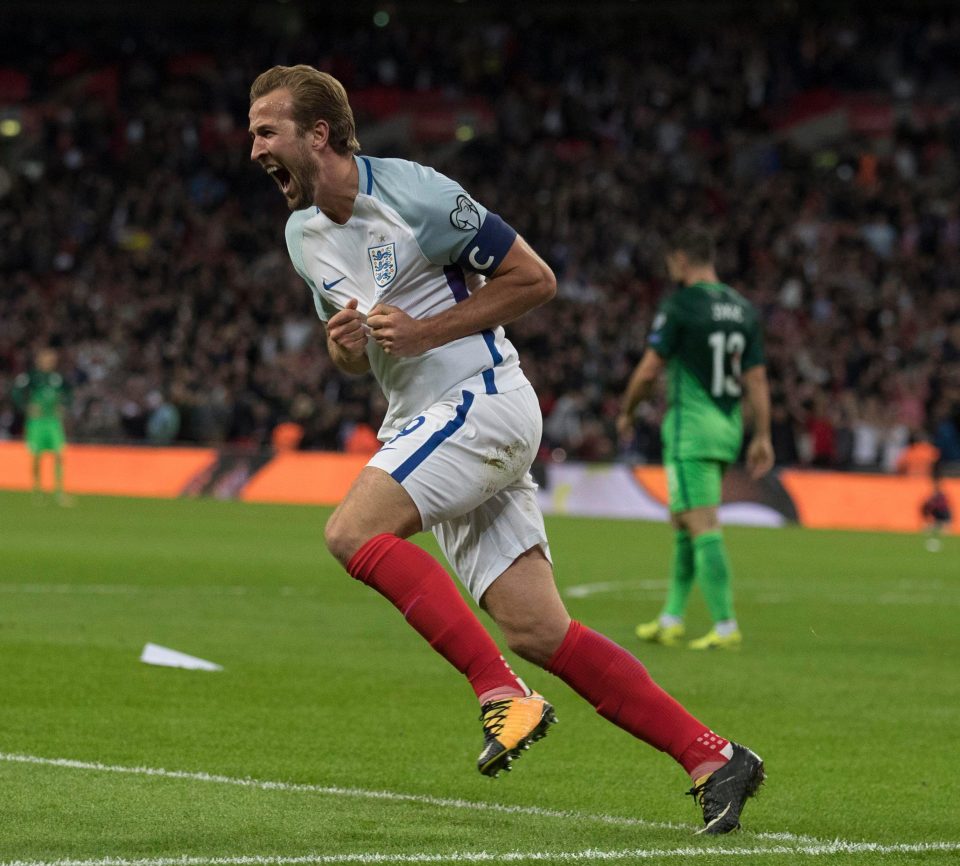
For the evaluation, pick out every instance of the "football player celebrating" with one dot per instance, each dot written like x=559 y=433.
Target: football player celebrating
x=414 y=280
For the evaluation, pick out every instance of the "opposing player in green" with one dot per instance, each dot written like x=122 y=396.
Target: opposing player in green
x=708 y=338
x=43 y=395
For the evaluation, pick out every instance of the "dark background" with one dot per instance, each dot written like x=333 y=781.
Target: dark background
x=819 y=141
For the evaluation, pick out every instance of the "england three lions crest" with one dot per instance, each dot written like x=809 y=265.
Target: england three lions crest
x=383 y=260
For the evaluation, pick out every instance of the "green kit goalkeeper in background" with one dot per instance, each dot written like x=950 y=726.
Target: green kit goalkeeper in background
x=43 y=395
x=708 y=338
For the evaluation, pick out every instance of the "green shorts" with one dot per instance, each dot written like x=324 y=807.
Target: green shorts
x=694 y=483
x=44 y=434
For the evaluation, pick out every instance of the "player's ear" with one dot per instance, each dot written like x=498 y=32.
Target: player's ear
x=321 y=134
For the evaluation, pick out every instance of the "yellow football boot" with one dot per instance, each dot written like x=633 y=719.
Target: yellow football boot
x=712 y=640
x=510 y=725
x=668 y=635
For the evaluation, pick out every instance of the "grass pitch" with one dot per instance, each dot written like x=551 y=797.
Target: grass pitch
x=847 y=685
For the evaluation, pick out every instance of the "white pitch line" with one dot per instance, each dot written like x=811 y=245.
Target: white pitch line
x=582 y=590
x=585 y=855
x=885 y=599
x=425 y=799
x=303 y=787
x=134 y=589
x=115 y=589
x=70 y=588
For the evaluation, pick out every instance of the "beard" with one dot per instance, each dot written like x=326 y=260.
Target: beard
x=297 y=181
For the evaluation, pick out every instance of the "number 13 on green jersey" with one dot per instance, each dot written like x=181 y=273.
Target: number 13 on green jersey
x=709 y=334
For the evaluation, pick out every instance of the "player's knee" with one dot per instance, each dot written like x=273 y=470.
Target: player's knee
x=700 y=520
x=534 y=642
x=341 y=539
x=525 y=645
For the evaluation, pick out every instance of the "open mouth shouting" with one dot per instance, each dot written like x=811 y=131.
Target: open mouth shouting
x=282 y=177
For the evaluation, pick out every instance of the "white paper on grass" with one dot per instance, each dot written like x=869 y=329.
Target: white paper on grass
x=154 y=654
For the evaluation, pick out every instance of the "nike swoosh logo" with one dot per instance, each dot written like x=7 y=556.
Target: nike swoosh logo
x=327 y=286
x=714 y=821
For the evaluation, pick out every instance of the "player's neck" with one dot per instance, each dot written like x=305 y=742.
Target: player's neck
x=704 y=274
x=336 y=189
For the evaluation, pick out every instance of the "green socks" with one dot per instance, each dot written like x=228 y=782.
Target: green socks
x=681 y=576
x=703 y=557
x=713 y=574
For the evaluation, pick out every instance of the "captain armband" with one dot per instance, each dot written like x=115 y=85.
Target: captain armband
x=489 y=246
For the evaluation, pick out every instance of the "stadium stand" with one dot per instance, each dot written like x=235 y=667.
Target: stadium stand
x=136 y=236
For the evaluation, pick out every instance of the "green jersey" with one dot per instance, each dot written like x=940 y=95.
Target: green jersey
x=708 y=334
x=41 y=395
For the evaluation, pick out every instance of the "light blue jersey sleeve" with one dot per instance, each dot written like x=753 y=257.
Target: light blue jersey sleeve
x=450 y=227
x=294 y=236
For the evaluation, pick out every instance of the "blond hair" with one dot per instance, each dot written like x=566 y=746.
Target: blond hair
x=316 y=96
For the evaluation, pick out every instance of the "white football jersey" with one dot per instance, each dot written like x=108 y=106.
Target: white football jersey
x=416 y=241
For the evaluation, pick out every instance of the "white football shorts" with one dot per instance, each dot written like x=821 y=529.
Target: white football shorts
x=465 y=462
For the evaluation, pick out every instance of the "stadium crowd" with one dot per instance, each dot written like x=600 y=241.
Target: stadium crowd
x=136 y=236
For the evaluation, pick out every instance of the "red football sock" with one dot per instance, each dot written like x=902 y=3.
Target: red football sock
x=622 y=691
x=706 y=753
x=424 y=593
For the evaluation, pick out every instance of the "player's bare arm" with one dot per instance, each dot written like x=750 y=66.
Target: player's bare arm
x=639 y=388
x=760 y=455
x=522 y=282
x=347 y=339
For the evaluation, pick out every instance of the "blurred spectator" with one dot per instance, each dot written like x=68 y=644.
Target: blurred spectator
x=163 y=423
x=946 y=431
x=783 y=436
x=867 y=436
x=286 y=436
x=823 y=435
x=918 y=458
x=361 y=439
